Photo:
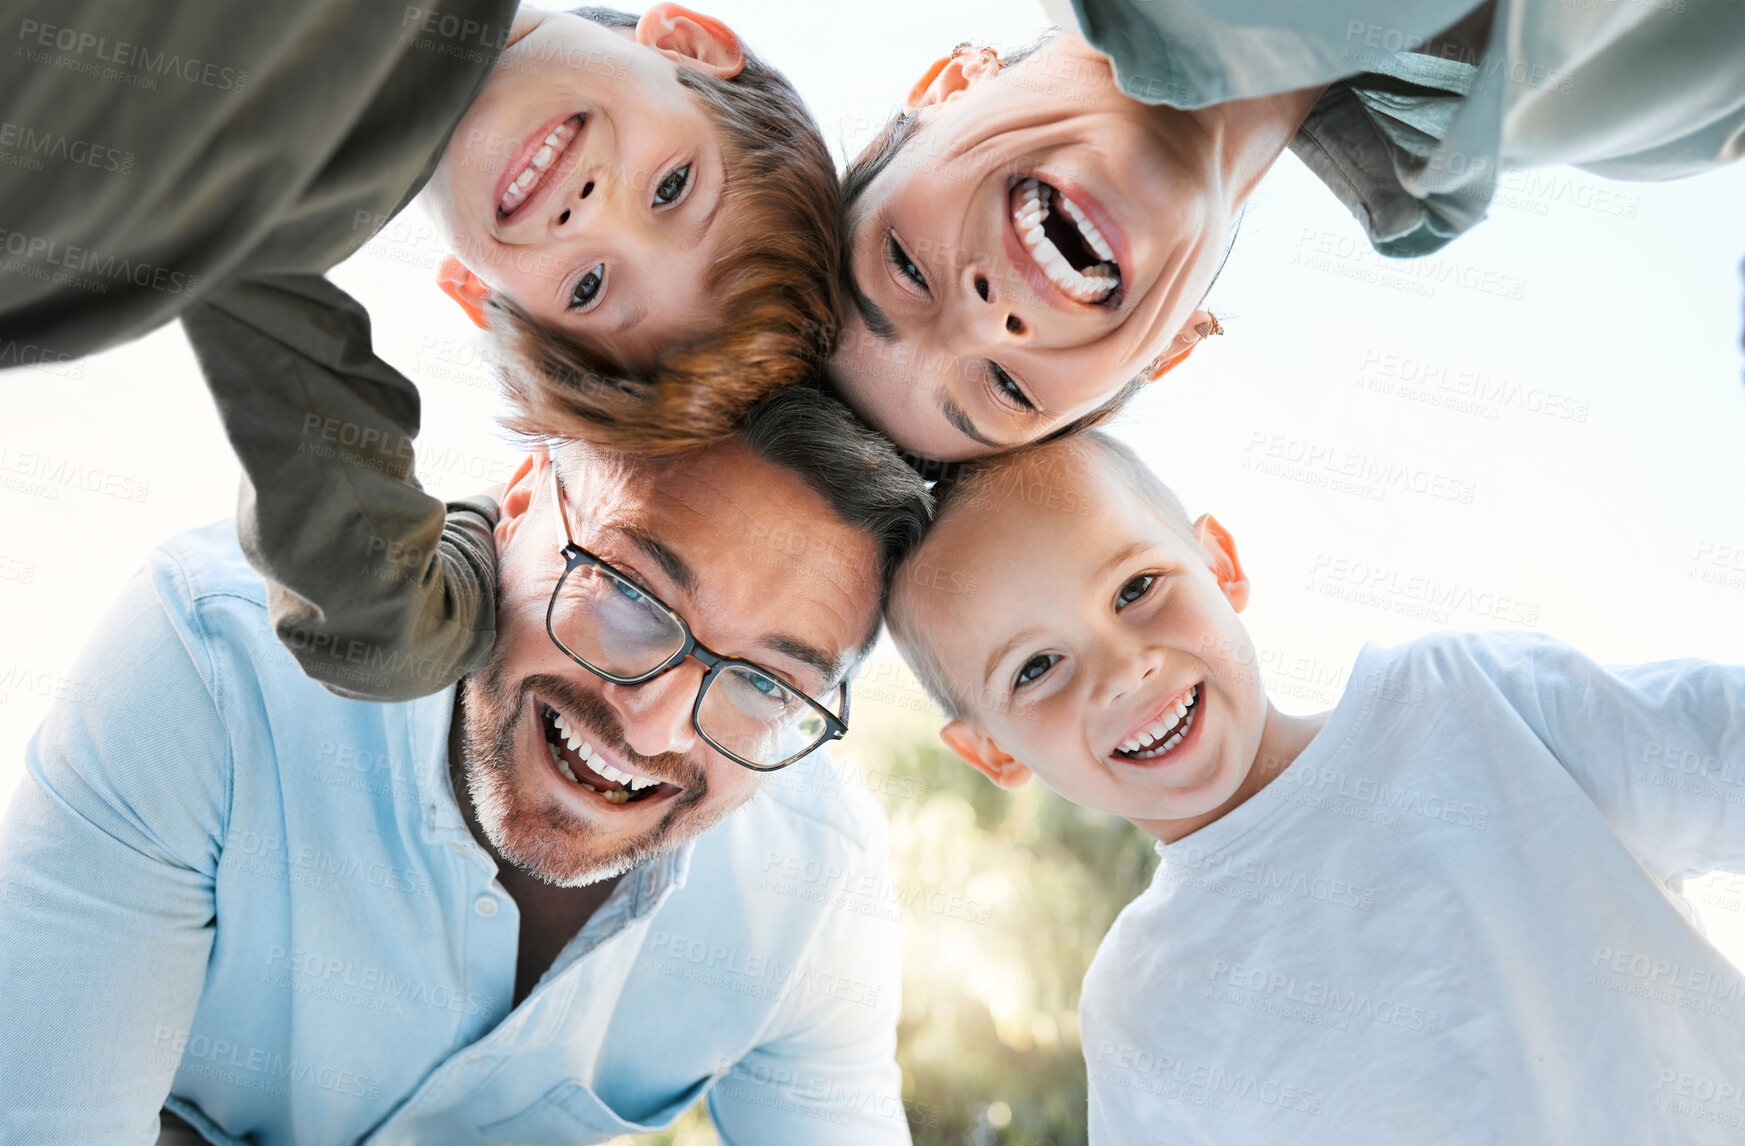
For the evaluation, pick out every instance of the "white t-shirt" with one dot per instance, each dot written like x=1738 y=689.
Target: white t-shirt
x=1455 y=918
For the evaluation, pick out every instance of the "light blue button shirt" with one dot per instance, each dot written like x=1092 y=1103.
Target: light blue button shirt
x=226 y=890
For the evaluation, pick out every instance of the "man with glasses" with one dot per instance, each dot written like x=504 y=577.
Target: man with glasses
x=514 y=912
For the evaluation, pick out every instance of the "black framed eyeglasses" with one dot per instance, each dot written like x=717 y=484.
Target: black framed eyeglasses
x=624 y=634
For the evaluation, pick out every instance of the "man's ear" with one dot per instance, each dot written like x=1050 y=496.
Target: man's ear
x=462 y=285
x=1199 y=324
x=691 y=38
x=949 y=76
x=982 y=754
x=517 y=497
x=1220 y=547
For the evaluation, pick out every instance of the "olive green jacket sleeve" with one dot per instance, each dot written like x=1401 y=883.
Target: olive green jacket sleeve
x=379 y=590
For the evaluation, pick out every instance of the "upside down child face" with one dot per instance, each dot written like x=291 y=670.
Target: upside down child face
x=583 y=183
x=1038 y=241
x=1092 y=642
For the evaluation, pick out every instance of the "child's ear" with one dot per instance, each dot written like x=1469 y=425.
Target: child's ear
x=462 y=285
x=1199 y=324
x=692 y=38
x=517 y=497
x=982 y=754
x=1220 y=547
x=951 y=75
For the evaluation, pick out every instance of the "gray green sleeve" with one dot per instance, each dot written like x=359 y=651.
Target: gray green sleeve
x=379 y=590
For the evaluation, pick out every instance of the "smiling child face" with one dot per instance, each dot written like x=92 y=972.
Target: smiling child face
x=584 y=182
x=1092 y=642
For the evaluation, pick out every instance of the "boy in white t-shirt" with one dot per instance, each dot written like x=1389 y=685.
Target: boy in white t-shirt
x=1446 y=911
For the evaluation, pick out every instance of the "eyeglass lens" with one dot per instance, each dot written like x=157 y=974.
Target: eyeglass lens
x=619 y=630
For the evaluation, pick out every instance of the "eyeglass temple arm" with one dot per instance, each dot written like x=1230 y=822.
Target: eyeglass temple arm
x=563 y=523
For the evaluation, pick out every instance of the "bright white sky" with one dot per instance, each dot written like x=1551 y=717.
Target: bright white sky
x=1620 y=530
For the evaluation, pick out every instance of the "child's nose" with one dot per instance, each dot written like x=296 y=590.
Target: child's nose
x=987 y=317
x=1126 y=671
x=573 y=202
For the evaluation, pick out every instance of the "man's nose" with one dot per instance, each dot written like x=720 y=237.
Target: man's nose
x=986 y=317
x=656 y=716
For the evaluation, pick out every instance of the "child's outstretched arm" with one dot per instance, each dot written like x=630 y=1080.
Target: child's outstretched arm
x=379 y=590
x=1659 y=748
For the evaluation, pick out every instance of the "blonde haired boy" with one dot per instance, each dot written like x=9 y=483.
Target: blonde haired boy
x=1446 y=911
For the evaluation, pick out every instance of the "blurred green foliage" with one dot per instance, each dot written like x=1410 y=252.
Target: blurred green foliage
x=988 y=1039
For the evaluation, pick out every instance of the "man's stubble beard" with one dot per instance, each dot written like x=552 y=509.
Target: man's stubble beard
x=538 y=834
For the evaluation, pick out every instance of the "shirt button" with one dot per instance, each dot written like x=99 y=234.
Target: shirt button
x=485 y=905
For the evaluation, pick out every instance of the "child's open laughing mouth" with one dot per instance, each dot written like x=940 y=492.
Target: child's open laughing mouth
x=534 y=170
x=1165 y=732
x=1058 y=245
x=590 y=770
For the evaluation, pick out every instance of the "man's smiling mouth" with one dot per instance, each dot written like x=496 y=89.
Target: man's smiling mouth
x=1166 y=731
x=1063 y=242
x=580 y=761
x=540 y=164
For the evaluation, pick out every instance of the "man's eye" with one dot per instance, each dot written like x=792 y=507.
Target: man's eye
x=587 y=290
x=1008 y=389
x=905 y=265
x=672 y=188
x=1035 y=669
x=1134 y=589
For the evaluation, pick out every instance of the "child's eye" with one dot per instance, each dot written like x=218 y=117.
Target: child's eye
x=587 y=290
x=1035 y=669
x=1008 y=389
x=905 y=265
x=1134 y=589
x=672 y=188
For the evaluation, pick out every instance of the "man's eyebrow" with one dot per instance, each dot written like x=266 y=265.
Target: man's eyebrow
x=829 y=667
x=1000 y=653
x=956 y=416
x=670 y=563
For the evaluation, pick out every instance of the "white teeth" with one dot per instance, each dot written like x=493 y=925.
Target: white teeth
x=522 y=185
x=616 y=796
x=1090 y=285
x=1158 y=739
x=1087 y=230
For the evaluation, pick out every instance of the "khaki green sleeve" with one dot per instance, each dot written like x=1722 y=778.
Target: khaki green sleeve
x=379 y=590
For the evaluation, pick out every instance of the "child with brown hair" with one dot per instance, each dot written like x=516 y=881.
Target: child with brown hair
x=643 y=209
